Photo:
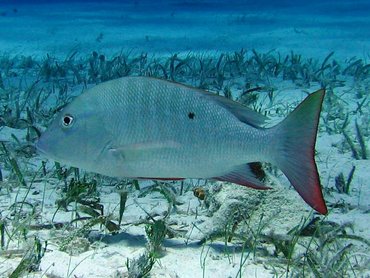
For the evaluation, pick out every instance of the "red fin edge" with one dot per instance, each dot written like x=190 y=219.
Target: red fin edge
x=296 y=155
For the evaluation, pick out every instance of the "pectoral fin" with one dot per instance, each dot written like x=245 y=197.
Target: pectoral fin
x=140 y=151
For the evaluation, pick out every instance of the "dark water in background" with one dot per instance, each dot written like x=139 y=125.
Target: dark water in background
x=313 y=28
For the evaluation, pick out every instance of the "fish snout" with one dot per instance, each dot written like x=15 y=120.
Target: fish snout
x=40 y=146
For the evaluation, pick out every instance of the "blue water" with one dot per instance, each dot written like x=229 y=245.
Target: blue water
x=314 y=28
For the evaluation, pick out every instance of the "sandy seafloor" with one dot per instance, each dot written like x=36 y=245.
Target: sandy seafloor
x=163 y=29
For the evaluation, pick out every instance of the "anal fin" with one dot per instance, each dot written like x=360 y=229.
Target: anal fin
x=246 y=175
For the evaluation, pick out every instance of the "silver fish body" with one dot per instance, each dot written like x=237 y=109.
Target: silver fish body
x=142 y=127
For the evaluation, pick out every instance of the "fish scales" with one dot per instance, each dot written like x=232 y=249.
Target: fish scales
x=151 y=113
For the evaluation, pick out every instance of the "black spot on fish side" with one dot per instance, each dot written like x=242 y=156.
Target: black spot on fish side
x=191 y=115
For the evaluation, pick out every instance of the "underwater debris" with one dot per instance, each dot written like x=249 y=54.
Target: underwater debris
x=31 y=260
x=341 y=184
x=122 y=205
x=83 y=192
x=228 y=209
x=210 y=70
x=14 y=165
x=141 y=266
x=2 y=233
x=76 y=246
x=357 y=152
x=200 y=193
x=361 y=141
x=155 y=234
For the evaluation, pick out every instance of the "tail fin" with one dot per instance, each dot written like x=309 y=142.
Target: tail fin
x=296 y=150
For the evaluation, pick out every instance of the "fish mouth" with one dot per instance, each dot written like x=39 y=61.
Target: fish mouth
x=40 y=148
x=44 y=151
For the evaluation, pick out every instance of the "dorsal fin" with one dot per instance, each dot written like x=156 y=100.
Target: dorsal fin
x=243 y=113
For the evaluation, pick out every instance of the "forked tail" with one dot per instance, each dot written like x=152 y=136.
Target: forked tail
x=296 y=150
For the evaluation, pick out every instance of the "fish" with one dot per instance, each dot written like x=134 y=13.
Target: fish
x=150 y=128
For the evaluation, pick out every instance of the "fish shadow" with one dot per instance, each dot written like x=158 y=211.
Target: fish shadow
x=140 y=241
x=130 y=240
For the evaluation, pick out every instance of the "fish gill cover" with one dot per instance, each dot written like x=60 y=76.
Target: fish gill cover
x=63 y=221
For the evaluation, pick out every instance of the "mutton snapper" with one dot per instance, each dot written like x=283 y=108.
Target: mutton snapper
x=142 y=127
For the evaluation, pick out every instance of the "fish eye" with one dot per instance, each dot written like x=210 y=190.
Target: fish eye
x=67 y=120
